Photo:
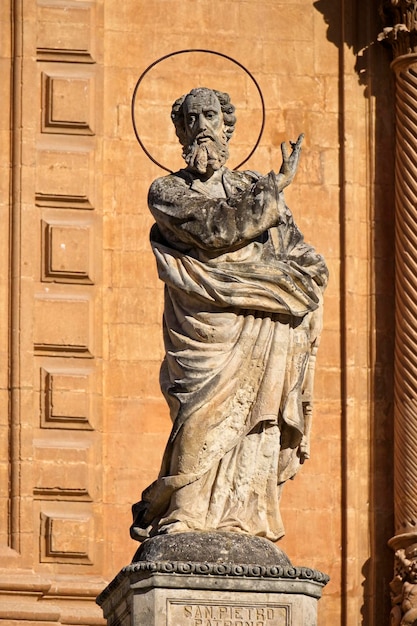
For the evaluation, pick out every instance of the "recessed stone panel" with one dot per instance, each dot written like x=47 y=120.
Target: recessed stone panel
x=66 y=538
x=63 y=325
x=64 y=178
x=65 y=399
x=61 y=469
x=67 y=103
x=65 y=31
x=67 y=252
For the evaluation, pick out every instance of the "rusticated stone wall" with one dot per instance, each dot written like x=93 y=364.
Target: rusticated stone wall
x=82 y=421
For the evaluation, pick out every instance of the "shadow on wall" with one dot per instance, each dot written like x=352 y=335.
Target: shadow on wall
x=359 y=31
x=356 y=24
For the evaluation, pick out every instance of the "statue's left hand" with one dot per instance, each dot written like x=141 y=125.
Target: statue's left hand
x=289 y=162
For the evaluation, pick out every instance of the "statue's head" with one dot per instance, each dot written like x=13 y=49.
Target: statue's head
x=204 y=122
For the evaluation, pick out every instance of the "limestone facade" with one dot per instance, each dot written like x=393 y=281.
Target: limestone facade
x=82 y=423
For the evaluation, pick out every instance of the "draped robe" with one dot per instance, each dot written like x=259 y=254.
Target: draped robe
x=242 y=320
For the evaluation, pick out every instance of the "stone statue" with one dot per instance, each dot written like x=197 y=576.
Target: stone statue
x=242 y=322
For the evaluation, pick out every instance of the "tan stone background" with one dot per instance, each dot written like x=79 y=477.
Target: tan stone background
x=83 y=424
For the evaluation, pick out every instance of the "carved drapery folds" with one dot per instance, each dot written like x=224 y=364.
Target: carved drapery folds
x=400 y=17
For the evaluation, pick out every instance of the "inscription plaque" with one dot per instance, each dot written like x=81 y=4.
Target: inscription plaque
x=227 y=614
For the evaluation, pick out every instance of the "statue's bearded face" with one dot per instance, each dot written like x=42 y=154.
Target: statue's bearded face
x=207 y=145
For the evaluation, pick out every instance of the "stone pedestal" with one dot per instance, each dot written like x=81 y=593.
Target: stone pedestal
x=214 y=593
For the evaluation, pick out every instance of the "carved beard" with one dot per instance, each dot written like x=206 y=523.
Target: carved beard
x=213 y=152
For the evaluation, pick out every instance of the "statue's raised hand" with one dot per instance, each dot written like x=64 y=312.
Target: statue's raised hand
x=289 y=162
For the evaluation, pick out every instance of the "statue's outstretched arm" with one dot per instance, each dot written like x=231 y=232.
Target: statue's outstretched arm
x=214 y=223
x=289 y=162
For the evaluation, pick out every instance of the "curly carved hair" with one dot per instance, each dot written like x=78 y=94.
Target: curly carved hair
x=228 y=110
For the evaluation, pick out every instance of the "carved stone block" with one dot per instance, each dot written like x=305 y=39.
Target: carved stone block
x=65 y=31
x=66 y=538
x=63 y=324
x=71 y=477
x=65 y=398
x=67 y=103
x=67 y=252
x=169 y=594
x=64 y=178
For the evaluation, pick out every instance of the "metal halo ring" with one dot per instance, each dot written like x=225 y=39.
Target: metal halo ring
x=172 y=54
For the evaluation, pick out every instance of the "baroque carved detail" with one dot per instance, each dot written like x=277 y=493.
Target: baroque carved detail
x=228 y=569
x=231 y=570
x=403 y=586
x=403 y=35
x=400 y=31
x=405 y=385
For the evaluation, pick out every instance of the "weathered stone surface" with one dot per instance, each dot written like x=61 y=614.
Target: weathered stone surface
x=294 y=51
x=149 y=594
x=242 y=325
x=214 y=547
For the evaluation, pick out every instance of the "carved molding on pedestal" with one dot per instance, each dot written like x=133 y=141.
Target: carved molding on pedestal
x=229 y=569
x=168 y=593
